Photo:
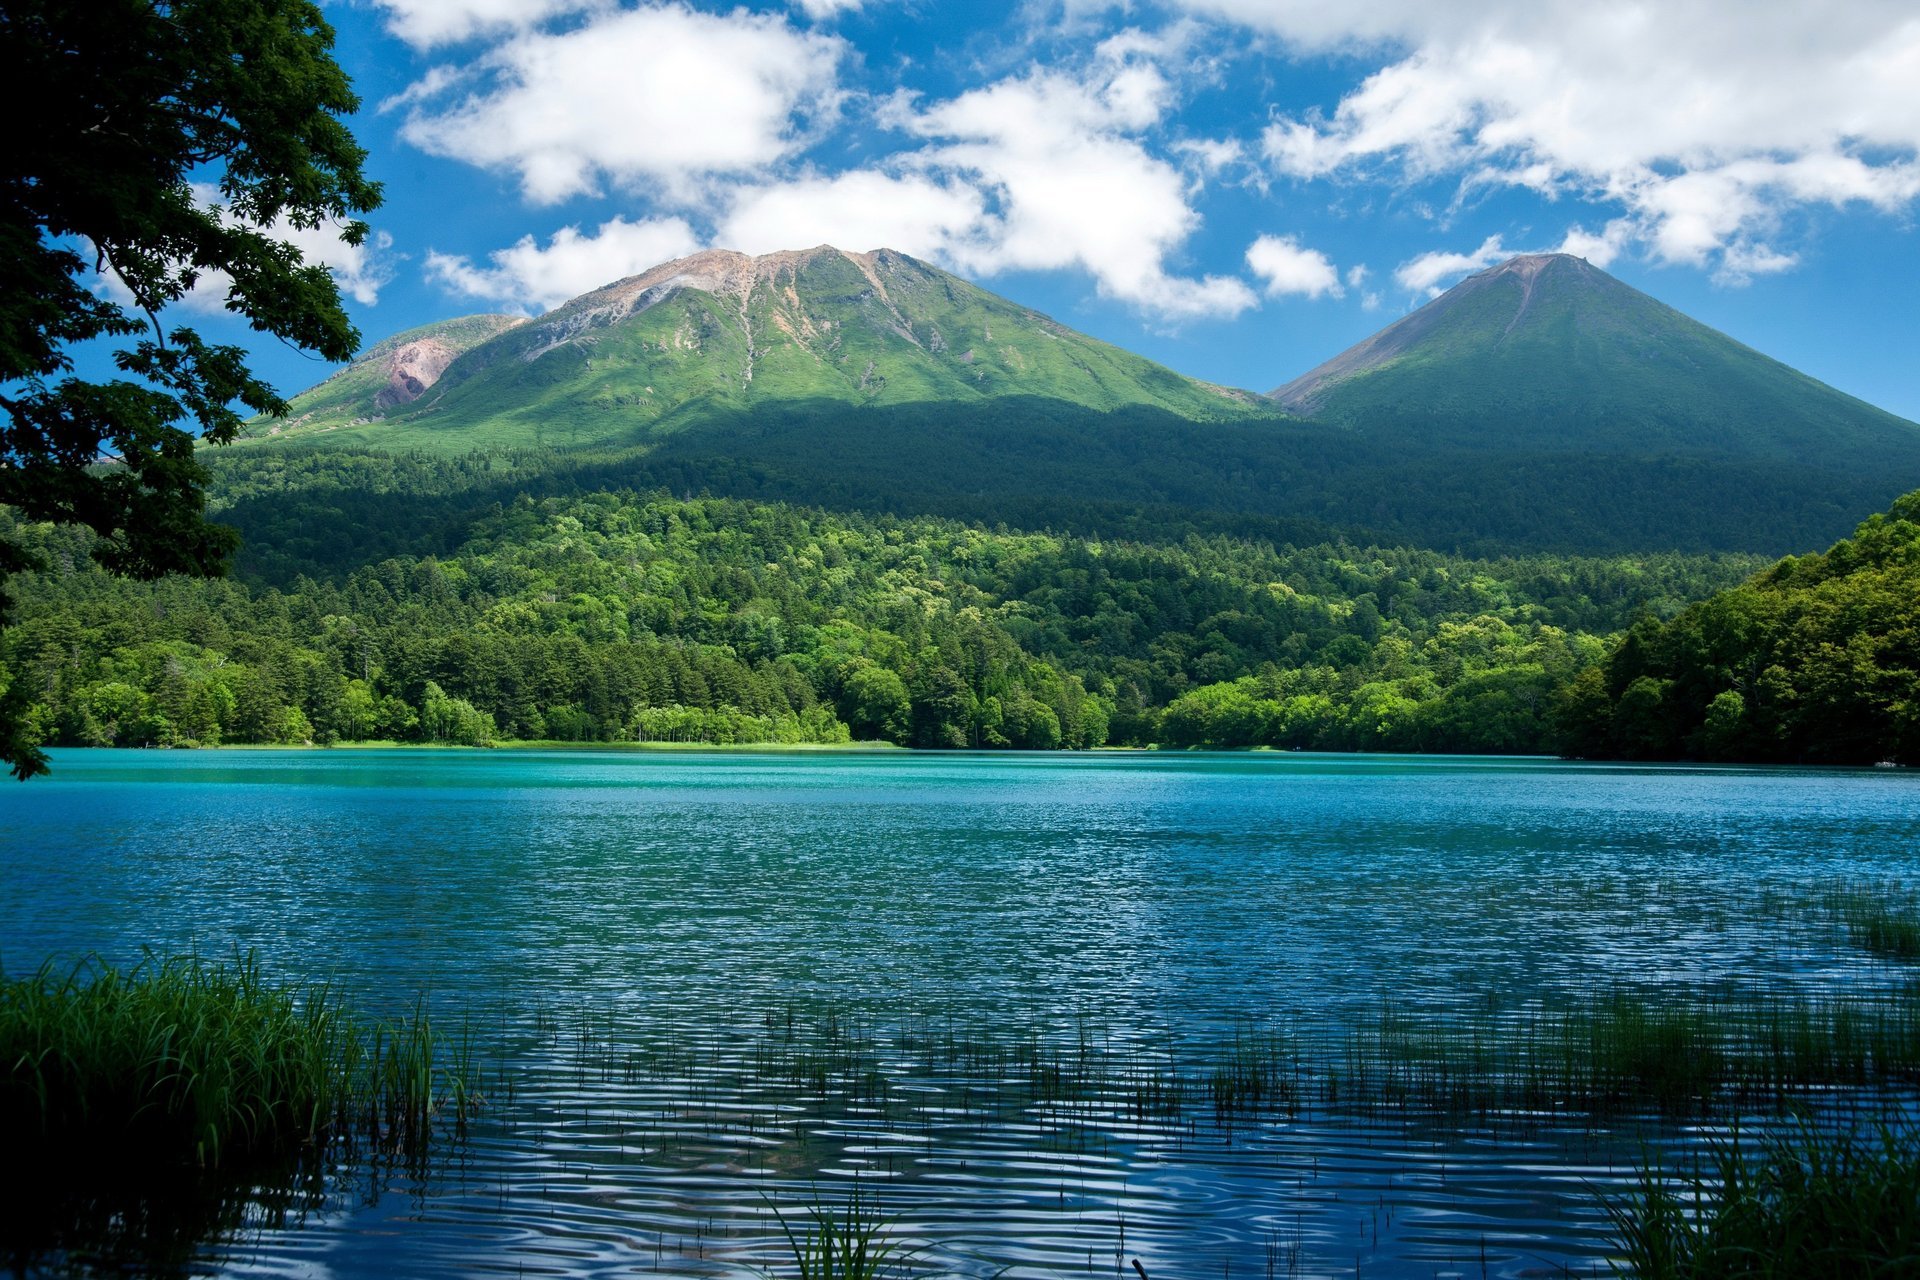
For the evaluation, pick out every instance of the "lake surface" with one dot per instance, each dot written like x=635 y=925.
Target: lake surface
x=626 y=932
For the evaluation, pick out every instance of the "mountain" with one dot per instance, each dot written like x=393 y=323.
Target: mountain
x=388 y=375
x=1547 y=352
x=1541 y=405
x=720 y=334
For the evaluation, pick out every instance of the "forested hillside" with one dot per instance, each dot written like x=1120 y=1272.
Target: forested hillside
x=1816 y=660
x=642 y=616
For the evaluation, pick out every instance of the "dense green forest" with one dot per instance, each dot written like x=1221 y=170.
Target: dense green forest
x=629 y=615
x=1815 y=660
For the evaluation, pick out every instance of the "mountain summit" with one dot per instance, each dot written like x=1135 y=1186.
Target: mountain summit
x=1548 y=352
x=724 y=333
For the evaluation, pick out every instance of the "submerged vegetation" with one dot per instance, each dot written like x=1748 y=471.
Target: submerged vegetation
x=1883 y=918
x=180 y=1063
x=1605 y=1054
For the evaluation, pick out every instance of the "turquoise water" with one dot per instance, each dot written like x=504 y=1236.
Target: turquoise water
x=580 y=907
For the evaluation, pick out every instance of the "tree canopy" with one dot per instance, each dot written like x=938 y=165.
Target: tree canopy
x=173 y=144
x=1814 y=661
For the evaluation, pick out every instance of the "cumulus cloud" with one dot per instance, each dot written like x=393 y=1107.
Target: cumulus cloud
x=1598 y=247
x=427 y=23
x=1057 y=167
x=1067 y=181
x=1703 y=120
x=1285 y=266
x=661 y=94
x=534 y=276
x=1425 y=273
x=861 y=210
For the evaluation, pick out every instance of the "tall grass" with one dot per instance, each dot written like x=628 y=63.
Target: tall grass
x=844 y=1243
x=183 y=1062
x=1804 y=1205
x=1880 y=917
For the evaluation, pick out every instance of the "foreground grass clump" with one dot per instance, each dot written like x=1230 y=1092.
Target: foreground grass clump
x=181 y=1062
x=845 y=1243
x=1806 y=1205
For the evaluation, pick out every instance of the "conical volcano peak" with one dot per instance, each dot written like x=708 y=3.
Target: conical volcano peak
x=1527 y=266
x=1545 y=351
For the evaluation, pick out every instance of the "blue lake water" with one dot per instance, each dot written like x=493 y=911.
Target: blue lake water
x=586 y=909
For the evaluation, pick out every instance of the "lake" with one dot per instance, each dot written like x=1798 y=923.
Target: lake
x=636 y=940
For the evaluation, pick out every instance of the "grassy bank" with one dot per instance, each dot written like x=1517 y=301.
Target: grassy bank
x=182 y=1063
x=1801 y=1205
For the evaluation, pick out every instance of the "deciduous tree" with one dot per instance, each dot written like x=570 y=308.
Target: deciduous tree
x=165 y=146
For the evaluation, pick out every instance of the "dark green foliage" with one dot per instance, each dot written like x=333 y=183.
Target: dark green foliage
x=621 y=616
x=1816 y=660
x=1143 y=470
x=1808 y=1204
x=181 y=1064
x=133 y=102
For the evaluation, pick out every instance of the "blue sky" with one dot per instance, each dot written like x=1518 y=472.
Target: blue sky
x=1238 y=188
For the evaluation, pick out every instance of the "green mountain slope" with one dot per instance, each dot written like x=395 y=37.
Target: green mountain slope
x=387 y=376
x=1547 y=352
x=720 y=334
x=1815 y=660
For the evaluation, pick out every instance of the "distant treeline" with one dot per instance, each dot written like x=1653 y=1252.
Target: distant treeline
x=643 y=616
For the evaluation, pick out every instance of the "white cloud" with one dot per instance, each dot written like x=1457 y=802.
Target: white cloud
x=1287 y=267
x=1210 y=157
x=1702 y=120
x=1601 y=247
x=861 y=210
x=1068 y=183
x=426 y=23
x=660 y=94
x=361 y=270
x=821 y=10
x=1424 y=273
x=529 y=275
x=1046 y=170
x=1430 y=273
